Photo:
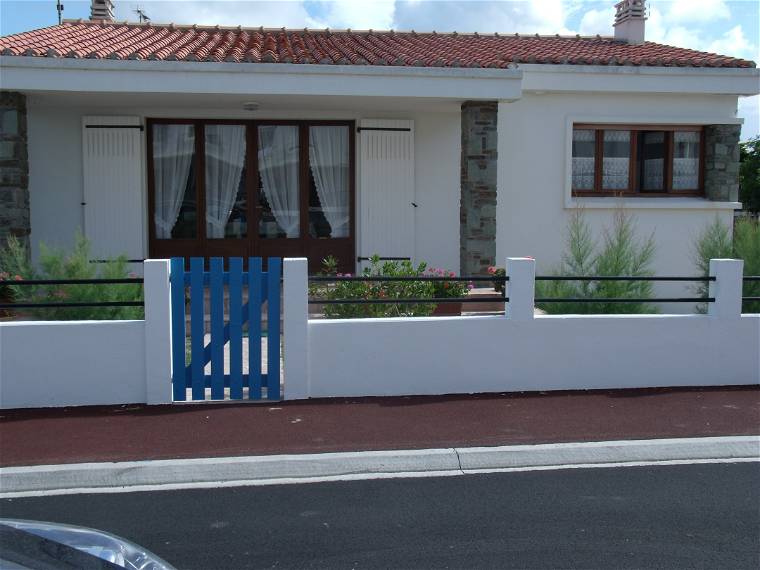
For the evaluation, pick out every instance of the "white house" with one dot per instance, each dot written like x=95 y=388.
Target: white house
x=456 y=149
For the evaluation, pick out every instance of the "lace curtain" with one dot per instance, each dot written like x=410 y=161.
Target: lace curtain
x=328 y=157
x=616 y=163
x=278 y=166
x=225 y=158
x=173 y=148
x=685 y=160
x=583 y=159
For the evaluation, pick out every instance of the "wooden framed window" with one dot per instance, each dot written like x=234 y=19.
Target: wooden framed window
x=637 y=160
x=252 y=188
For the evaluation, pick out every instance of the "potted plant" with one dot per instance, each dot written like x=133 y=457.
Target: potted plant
x=448 y=290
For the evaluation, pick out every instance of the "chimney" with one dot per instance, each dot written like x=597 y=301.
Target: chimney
x=101 y=10
x=629 y=21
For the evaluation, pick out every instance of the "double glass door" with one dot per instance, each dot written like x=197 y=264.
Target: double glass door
x=252 y=188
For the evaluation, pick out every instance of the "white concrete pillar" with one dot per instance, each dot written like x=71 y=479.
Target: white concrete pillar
x=521 y=288
x=296 y=328
x=158 y=332
x=726 y=289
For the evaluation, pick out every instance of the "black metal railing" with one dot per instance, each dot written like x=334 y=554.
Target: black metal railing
x=503 y=280
x=408 y=301
x=64 y=304
x=751 y=279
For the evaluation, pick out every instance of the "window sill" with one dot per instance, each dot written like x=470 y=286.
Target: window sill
x=662 y=203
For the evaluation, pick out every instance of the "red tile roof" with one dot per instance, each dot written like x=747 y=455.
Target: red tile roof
x=108 y=40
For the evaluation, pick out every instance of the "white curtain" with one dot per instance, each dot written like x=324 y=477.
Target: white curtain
x=617 y=148
x=173 y=148
x=685 y=160
x=328 y=157
x=583 y=162
x=278 y=166
x=225 y=157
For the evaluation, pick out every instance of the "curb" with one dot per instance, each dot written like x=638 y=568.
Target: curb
x=274 y=469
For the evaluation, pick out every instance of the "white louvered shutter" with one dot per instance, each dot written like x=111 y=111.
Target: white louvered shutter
x=386 y=192
x=113 y=187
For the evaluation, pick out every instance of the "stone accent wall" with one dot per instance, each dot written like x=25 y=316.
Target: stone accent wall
x=14 y=168
x=477 y=214
x=722 y=162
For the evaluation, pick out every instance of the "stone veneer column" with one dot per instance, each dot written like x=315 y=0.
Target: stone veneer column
x=477 y=210
x=722 y=162
x=14 y=168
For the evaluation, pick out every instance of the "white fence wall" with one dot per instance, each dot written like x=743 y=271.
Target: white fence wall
x=443 y=355
x=78 y=363
x=72 y=363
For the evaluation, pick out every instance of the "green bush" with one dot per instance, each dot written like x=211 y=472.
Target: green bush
x=715 y=243
x=620 y=253
x=375 y=290
x=57 y=264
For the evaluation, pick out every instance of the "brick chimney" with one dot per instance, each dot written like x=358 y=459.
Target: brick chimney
x=101 y=10
x=629 y=21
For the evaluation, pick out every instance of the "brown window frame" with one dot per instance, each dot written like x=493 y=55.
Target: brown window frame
x=633 y=189
x=253 y=245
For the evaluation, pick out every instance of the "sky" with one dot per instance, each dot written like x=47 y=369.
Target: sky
x=728 y=27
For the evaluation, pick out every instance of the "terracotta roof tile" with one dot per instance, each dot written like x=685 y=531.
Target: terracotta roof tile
x=104 y=40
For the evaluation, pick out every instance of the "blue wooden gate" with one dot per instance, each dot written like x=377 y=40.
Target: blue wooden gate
x=189 y=362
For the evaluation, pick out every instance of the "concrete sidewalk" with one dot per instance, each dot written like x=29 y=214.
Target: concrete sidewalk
x=138 y=433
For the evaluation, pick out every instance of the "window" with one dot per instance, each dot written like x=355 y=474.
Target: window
x=612 y=160
x=233 y=187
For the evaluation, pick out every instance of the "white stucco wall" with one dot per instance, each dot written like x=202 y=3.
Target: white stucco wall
x=72 y=363
x=533 y=203
x=449 y=355
x=55 y=155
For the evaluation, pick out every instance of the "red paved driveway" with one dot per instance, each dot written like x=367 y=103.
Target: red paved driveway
x=72 y=435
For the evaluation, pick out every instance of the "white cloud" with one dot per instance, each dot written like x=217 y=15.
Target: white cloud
x=735 y=43
x=689 y=11
x=358 y=14
x=597 y=22
x=270 y=13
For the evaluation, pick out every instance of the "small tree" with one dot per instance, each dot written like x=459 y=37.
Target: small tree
x=749 y=174
x=715 y=243
x=620 y=253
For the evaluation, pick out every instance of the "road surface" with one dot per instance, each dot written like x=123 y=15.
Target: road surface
x=687 y=516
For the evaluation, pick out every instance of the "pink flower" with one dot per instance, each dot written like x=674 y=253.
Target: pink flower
x=492 y=270
x=452 y=274
x=346 y=275
x=18 y=278
x=470 y=286
x=338 y=275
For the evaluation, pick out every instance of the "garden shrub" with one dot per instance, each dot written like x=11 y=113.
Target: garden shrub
x=715 y=242
x=376 y=290
x=620 y=253
x=56 y=263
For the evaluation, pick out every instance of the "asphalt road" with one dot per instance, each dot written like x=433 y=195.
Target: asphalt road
x=697 y=516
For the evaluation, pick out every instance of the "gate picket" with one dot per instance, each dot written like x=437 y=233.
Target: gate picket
x=273 y=328
x=197 y=329
x=217 y=327
x=236 y=328
x=255 y=300
x=177 y=282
